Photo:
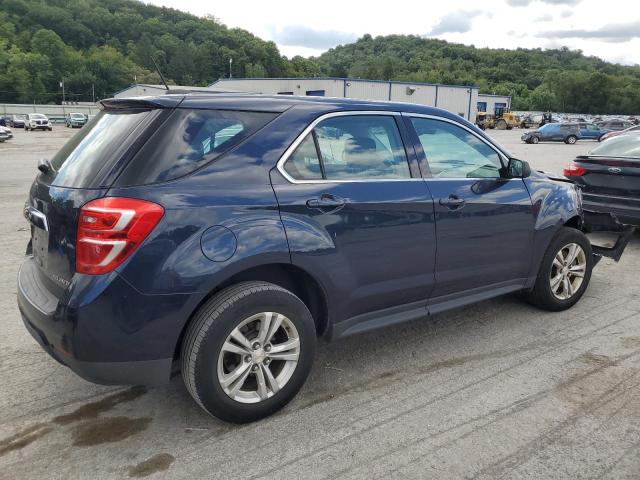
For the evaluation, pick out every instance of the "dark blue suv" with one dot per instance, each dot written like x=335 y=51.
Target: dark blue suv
x=229 y=232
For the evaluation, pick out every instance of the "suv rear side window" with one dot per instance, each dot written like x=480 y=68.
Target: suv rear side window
x=351 y=147
x=188 y=140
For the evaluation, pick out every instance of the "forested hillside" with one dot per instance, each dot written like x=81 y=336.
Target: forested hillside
x=109 y=43
x=560 y=80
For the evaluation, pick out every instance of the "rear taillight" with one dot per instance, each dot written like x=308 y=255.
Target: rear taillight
x=110 y=229
x=574 y=170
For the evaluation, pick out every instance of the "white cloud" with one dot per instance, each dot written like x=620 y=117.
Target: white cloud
x=455 y=22
x=547 y=17
x=526 y=3
x=615 y=32
x=318 y=27
x=302 y=36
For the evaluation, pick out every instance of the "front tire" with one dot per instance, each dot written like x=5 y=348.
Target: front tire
x=571 y=140
x=248 y=351
x=535 y=140
x=564 y=273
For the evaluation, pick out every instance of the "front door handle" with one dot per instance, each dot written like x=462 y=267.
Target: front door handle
x=326 y=201
x=453 y=202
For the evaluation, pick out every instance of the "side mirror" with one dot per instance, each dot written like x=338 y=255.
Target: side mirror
x=518 y=168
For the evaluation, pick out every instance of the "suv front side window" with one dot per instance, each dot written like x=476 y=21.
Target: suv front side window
x=453 y=152
x=351 y=147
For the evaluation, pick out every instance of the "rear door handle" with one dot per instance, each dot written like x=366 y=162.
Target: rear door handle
x=326 y=201
x=453 y=202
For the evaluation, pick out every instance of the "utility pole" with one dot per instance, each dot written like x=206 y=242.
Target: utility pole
x=62 y=85
x=93 y=93
x=230 y=62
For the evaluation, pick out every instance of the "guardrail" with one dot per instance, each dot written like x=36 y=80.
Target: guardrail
x=51 y=111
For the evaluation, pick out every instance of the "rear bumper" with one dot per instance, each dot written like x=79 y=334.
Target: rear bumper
x=106 y=333
x=144 y=372
x=594 y=221
x=627 y=210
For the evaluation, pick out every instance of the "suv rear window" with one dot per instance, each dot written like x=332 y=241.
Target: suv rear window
x=94 y=148
x=188 y=140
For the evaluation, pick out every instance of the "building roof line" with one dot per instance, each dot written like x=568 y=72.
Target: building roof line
x=346 y=79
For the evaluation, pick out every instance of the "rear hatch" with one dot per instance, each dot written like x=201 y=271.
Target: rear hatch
x=81 y=171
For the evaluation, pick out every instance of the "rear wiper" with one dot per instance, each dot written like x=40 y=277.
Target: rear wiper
x=44 y=165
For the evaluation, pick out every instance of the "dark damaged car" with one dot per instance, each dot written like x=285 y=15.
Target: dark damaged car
x=227 y=233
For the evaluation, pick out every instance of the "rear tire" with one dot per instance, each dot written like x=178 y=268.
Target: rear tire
x=501 y=125
x=551 y=291
x=225 y=345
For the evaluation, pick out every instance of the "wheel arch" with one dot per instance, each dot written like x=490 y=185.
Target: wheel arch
x=286 y=275
x=574 y=222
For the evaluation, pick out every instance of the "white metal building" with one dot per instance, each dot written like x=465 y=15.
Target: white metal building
x=455 y=98
x=463 y=100
x=488 y=103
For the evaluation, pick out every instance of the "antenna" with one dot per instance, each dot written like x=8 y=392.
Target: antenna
x=159 y=72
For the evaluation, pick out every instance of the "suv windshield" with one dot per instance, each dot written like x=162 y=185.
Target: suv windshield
x=39 y=116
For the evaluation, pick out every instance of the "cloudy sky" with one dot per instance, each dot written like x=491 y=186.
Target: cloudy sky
x=609 y=29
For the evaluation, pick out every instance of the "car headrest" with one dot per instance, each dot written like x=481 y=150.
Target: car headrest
x=359 y=150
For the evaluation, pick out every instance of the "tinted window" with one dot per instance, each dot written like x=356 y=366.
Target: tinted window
x=453 y=152
x=304 y=164
x=621 y=146
x=351 y=147
x=81 y=159
x=188 y=140
x=360 y=147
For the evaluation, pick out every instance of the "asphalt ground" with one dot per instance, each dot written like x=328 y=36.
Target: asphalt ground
x=495 y=390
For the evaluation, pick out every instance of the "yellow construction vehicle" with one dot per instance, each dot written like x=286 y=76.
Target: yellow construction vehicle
x=502 y=119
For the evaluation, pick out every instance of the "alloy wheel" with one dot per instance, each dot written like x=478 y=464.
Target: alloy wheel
x=258 y=357
x=568 y=271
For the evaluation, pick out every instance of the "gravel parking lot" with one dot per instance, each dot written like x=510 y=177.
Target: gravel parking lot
x=494 y=390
